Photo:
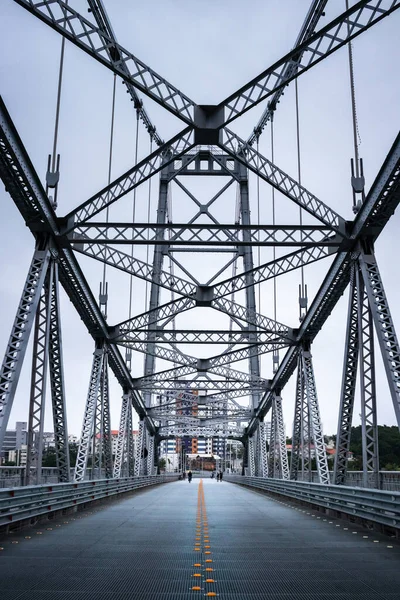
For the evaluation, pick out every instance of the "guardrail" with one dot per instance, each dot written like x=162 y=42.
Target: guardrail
x=372 y=505
x=21 y=503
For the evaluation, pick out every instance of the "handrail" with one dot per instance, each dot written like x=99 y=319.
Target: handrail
x=17 y=504
x=373 y=505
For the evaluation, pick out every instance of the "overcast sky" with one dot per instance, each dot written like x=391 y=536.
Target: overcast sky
x=207 y=49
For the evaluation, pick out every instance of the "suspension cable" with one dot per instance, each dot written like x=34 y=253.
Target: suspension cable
x=357 y=180
x=110 y=156
x=302 y=286
x=53 y=164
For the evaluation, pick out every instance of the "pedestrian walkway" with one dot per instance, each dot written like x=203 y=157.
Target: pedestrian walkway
x=204 y=539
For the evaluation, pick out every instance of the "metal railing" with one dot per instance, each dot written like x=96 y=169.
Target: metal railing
x=18 y=504
x=373 y=505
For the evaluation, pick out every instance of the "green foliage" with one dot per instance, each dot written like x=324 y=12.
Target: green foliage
x=389 y=448
x=49 y=456
x=162 y=464
x=73 y=453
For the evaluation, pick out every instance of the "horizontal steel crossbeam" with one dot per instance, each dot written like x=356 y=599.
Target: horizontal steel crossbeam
x=204 y=234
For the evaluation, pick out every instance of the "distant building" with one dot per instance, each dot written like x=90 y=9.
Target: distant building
x=14 y=439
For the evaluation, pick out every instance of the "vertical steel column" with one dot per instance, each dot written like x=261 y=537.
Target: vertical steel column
x=88 y=418
x=121 y=441
x=248 y=264
x=258 y=453
x=263 y=469
x=298 y=437
x=106 y=422
x=251 y=466
x=245 y=461
x=17 y=344
x=150 y=455
x=273 y=459
x=369 y=426
x=139 y=449
x=349 y=380
x=97 y=437
x=130 y=450
x=384 y=326
x=149 y=363
x=315 y=419
x=56 y=368
x=37 y=400
x=280 y=431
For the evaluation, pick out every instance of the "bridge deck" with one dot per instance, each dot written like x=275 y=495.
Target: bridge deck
x=143 y=546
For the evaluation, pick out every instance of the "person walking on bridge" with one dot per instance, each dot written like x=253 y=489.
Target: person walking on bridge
x=189 y=475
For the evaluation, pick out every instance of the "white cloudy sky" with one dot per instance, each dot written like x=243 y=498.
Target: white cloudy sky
x=207 y=50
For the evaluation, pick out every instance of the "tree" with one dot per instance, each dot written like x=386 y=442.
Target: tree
x=388 y=445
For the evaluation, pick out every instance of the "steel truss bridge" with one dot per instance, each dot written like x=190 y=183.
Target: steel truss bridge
x=209 y=396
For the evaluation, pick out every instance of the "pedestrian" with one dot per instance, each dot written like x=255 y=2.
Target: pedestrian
x=220 y=475
x=217 y=475
x=189 y=476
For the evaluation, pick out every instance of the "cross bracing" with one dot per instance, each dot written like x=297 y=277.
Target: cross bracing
x=175 y=317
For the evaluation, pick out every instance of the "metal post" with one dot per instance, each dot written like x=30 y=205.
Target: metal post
x=149 y=363
x=17 y=344
x=121 y=441
x=315 y=419
x=150 y=455
x=384 y=326
x=369 y=426
x=297 y=437
x=106 y=421
x=251 y=457
x=263 y=469
x=37 y=398
x=56 y=368
x=248 y=265
x=350 y=366
x=139 y=449
x=89 y=415
x=281 y=441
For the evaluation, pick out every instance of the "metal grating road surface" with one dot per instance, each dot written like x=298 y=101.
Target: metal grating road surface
x=159 y=542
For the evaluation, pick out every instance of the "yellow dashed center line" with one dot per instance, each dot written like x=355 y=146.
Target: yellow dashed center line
x=201 y=576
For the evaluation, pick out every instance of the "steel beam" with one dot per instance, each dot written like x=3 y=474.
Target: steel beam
x=384 y=326
x=102 y=47
x=314 y=416
x=194 y=234
x=351 y=354
x=360 y=17
x=18 y=342
x=89 y=416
